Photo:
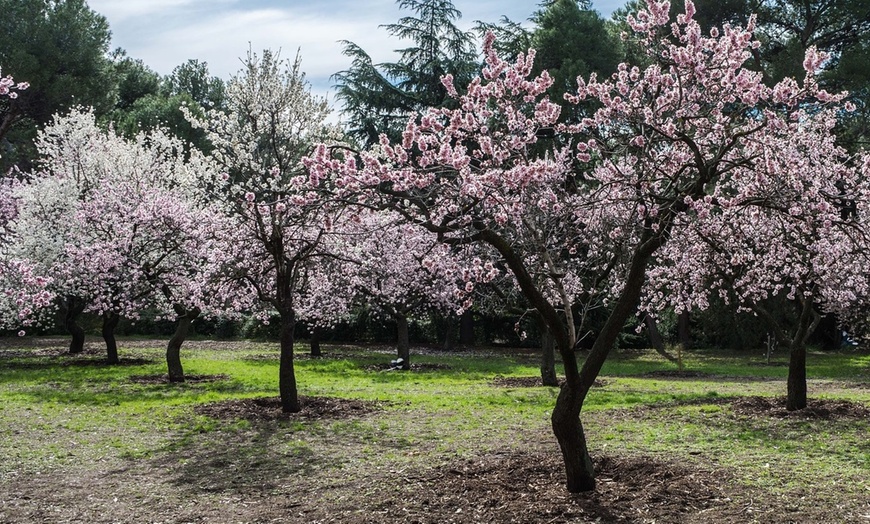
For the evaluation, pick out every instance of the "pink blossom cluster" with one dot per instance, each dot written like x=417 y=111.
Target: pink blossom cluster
x=9 y=88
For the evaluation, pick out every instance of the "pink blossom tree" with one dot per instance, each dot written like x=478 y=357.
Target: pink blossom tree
x=278 y=225
x=666 y=143
x=147 y=247
x=393 y=267
x=806 y=243
x=25 y=294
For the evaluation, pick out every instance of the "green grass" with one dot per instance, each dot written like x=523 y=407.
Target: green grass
x=57 y=416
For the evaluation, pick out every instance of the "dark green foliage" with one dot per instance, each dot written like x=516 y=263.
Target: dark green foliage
x=135 y=79
x=59 y=47
x=572 y=40
x=146 y=101
x=379 y=98
x=511 y=38
x=193 y=79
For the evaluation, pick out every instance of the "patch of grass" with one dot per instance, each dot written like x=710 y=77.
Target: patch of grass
x=62 y=416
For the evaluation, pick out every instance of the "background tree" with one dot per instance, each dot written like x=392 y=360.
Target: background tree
x=60 y=47
x=194 y=79
x=801 y=248
x=379 y=98
x=147 y=102
x=571 y=39
x=393 y=268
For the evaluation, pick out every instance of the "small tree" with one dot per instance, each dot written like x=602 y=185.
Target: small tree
x=806 y=244
x=270 y=122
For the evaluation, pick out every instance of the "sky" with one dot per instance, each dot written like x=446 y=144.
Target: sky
x=166 y=33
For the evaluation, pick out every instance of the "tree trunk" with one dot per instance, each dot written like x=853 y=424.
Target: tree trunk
x=684 y=334
x=566 y=415
x=449 y=323
x=286 y=373
x=74 y=307
x=548 y=355
x=403 y=343
x=568 y=429
x=173 y=348
x=110 y=322
x=655 y=337
x=466 y=329
x=797 y=378
x=315 y=341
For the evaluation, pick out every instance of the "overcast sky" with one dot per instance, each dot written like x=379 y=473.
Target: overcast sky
x=166 y=33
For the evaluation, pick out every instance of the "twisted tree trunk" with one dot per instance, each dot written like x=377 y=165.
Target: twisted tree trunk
x=548 y=355
x=173 y=349
x=110 y=322
x=73 y=307
x=655 y=338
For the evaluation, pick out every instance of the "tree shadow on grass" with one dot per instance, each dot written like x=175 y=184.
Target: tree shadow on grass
x=262 y=456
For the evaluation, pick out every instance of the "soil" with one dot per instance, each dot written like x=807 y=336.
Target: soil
x=269 y=408
x=163 y=378
x=524 y=487
x=817 y=409
x=240 y=477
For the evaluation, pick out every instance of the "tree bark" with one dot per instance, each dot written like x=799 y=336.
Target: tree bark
x=449 y=323
x=796 y=384
x=655 y=338
x=579 y=470
x=110 y=322
x=684 y=334
x=797 y=378
x=548 y=355
x=286 y=372
x=74 y=307
x=466 y=329
x=566 y=415
x=403 y=343
x=315 y=341
x=173 y=348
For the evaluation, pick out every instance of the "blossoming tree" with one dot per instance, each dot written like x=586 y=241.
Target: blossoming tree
x=270 y=123
x=393 y=267
x=665 y=145
x=121 y=222
x=805 y=241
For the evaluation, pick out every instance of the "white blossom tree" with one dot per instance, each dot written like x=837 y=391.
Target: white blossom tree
x=270 y=122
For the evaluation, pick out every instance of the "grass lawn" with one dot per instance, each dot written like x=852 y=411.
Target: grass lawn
x=81 y=441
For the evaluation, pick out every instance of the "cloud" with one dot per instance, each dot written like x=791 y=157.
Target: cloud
x=167 y=33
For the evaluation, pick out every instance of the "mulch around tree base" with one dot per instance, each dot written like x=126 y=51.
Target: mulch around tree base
x=188 y=379
x=817 y=408
x=535 y=382
x=269 y=408
x=530 y=488
x=774 y=407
